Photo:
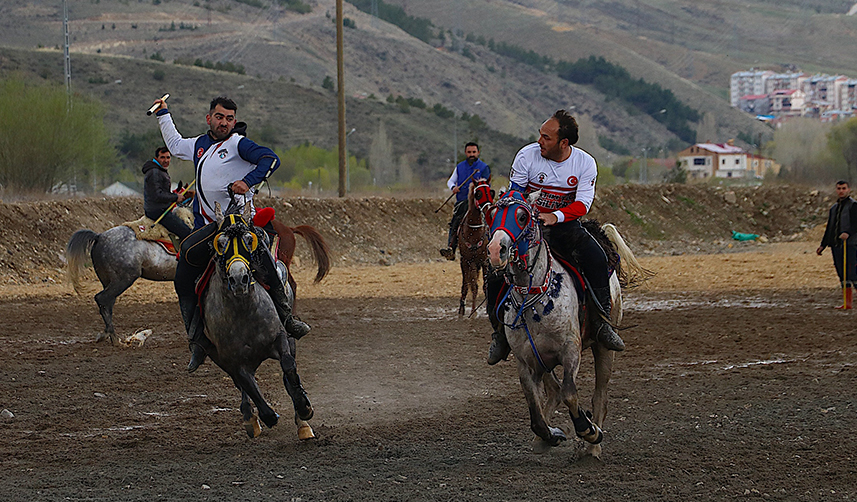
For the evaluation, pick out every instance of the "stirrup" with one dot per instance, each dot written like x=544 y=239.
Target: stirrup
x=197 y=357
x=499 y=349
x=609 y=339
x=296 y=328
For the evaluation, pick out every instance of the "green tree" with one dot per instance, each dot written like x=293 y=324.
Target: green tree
x=842 y=141
x=55 y=143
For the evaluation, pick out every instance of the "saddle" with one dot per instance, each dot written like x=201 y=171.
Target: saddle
x=145 y=229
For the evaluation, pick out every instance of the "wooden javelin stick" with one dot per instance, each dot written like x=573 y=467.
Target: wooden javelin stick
x=156 y=105
x=844 y=275
x=173 y=204
x=459 y=186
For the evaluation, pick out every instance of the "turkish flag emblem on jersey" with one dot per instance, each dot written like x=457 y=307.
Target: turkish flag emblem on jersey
x=199 y=153
x=572 y=181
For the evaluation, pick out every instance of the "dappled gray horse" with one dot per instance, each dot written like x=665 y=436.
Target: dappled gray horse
x=546 y=324
x=119 y=259
x=243 y=326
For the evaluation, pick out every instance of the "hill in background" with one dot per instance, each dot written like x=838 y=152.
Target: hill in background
x=287 y=56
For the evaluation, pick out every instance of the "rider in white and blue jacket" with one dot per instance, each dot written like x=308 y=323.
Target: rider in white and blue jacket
x=223 y=158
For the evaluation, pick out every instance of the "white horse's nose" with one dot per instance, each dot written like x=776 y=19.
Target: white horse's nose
x=498 y=250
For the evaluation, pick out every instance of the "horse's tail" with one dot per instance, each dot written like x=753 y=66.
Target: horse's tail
x=631 y=272
x=320 y=250
x=76 y=252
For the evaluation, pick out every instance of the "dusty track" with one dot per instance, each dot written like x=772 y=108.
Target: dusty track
x=740 y=385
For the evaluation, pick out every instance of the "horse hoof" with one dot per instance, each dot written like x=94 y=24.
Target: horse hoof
x=557 y=436
x=100 y=337
x=270 y=420
x=253 y=427
x=305 y=432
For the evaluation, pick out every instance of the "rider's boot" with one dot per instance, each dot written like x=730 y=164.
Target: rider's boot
x=195 y=332
x=499 y=349
x=605 y=334
x=294 y=326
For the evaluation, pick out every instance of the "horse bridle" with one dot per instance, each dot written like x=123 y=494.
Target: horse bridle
x=235 y=241
x=523 y=234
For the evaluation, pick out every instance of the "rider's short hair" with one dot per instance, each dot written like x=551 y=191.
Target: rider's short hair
x=160 y=150
x=567 y=126
x=224 y=102
x=842 y=182
x=471 y=143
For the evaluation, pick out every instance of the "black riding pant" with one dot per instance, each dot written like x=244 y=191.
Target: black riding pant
x=196 y=252
x=572 y=242
x=171 y=222
x=457 y=215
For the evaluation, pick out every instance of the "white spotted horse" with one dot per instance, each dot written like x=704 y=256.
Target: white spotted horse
x=547 y=319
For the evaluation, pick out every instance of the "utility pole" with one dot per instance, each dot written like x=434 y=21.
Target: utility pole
x=65 y=51
x=340 y=95
x=374 y=13
x=643 y=168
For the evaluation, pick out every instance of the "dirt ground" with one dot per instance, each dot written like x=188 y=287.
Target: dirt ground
x=738 y=382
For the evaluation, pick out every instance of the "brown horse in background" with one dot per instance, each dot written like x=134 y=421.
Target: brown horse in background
x=473 y=241
x=317 y=244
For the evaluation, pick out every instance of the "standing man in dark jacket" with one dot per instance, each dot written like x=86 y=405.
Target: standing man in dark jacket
x=466 y=171
x=157 y=196
x=841 y=229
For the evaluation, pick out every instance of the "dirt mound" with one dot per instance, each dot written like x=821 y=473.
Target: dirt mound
x=659 y=219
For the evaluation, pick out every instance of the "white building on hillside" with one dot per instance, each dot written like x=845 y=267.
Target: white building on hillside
x=744 y=83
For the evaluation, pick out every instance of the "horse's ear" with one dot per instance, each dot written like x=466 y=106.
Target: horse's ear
x=218 y=213
x=248 y=212
x=533 y=197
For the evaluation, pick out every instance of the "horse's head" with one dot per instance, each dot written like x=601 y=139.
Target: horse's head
x=234 y=245
x=512 y=226
x=480 y=194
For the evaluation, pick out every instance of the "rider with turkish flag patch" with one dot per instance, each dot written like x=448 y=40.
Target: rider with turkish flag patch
x=566 y=177
x=568 y=186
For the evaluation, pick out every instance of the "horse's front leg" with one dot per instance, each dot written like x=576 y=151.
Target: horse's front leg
x=464 y=285
x=251 y=421
x=603 y=370
x=532 y=387
x=246 y=382
x=474 y=286
x=303 y=408
x=584 y=428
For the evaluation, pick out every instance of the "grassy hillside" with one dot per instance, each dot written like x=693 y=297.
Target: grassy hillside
x=274 y=44
x=289 y=114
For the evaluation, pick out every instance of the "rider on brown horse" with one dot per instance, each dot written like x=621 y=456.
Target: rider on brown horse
x=566 y=177
x=469 y=169
x=220 y=156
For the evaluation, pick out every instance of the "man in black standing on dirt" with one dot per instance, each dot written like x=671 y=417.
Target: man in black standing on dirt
x=841 y=230
x=157 y=196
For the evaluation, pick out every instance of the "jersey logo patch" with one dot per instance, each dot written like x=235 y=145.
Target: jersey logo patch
x=572 y=181
x=542 y=177
x=222 y=153
x=199 y=153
